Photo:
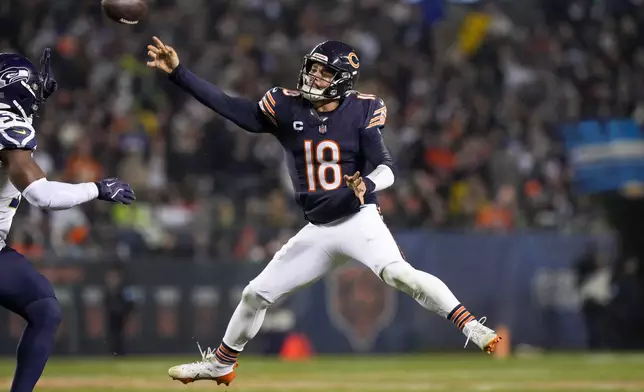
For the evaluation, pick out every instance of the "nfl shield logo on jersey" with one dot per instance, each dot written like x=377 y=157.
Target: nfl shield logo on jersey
x=359 y=305
x=322 y=128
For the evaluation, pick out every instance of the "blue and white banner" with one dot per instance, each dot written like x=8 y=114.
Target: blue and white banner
x=605 y=155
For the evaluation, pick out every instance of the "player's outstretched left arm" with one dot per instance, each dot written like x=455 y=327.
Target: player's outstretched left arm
x=243 y=112
x=25 y=174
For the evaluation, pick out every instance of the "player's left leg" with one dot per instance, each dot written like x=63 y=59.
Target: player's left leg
x=24 y=291
x=304 y=259
x=369 y=241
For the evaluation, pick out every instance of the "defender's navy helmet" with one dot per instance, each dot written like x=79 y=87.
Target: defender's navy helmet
x=23 y=88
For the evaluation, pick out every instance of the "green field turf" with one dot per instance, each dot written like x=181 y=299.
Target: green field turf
x=357 y=374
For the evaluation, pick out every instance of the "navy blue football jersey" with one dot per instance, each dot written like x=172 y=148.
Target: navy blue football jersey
x=320 y=147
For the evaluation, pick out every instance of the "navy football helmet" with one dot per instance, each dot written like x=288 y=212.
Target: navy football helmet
x=24 y=88
x=337 y=57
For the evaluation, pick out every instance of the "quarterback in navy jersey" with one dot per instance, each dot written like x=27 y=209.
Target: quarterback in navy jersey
x=331 y=135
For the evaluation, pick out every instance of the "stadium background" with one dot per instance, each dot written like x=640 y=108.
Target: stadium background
x=508 y=120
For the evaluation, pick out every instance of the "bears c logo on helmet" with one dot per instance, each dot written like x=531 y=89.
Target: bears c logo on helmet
x=13 y=75
x=354 y=60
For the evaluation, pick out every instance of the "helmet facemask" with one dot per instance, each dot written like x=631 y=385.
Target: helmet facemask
x=306 y=81
x=46 y=84
x=32 y=101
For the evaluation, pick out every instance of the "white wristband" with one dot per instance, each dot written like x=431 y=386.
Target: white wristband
x=382 y=177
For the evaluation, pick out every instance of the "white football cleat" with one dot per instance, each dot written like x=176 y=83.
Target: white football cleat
x=481 y=335
x=206 y=369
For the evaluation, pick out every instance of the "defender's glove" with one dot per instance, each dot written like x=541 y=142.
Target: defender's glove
x=115 y=191
x=49 y=84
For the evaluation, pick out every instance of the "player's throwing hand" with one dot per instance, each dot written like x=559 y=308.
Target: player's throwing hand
x=358 y=185
x=162 y=56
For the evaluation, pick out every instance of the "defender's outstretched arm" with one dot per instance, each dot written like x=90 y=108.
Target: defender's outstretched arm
x=25 y=174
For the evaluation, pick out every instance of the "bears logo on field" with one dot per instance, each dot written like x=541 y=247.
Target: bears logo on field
x=360 y=305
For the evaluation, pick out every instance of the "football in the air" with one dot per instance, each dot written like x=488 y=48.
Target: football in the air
x=125 y=11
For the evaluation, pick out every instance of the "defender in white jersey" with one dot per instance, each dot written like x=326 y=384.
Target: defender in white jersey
x=328 y=130
x=24 y=291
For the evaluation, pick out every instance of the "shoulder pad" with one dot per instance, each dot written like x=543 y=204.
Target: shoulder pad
x=16 y=132
x=274 y=102
x=376 y=114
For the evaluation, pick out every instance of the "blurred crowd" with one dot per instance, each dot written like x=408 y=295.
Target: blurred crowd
x=475 y=94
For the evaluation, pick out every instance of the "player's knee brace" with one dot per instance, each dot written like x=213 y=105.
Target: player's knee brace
x=253 y=299
x=402 y=276
x=44 y=313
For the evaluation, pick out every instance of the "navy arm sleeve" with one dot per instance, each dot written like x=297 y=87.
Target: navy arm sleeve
x=374 y=148
x=372 y=143
x=243 y=112
x=371 y=137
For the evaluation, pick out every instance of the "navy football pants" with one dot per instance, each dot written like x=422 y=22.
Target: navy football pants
x=20 y=283
x=24 y=291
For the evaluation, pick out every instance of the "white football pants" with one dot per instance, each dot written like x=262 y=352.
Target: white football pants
x=315 y=250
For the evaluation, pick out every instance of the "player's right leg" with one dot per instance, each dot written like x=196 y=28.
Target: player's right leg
x=24 y=291
x=434 y=295
x=300 y=262
x=368 y=240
